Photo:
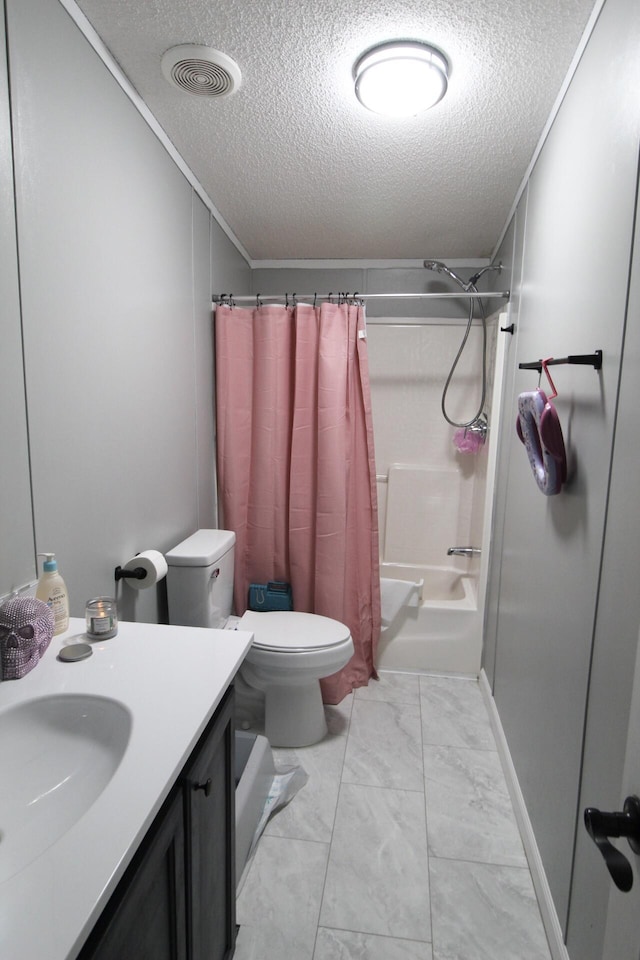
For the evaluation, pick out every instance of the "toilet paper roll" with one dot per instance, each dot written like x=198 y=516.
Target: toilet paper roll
x=154 y=565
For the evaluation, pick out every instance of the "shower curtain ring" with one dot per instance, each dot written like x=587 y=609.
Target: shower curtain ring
x=315 y=298
x=294 y=302
x=258 y=301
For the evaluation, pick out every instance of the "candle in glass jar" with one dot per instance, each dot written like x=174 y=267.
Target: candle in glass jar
x=101 y=618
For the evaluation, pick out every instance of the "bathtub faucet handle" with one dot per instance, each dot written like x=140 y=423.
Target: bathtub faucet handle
x=463 y=552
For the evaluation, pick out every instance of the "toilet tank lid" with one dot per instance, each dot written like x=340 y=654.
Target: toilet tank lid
x=201 y=549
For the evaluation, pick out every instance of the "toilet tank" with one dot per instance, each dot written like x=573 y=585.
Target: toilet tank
x=200 y=579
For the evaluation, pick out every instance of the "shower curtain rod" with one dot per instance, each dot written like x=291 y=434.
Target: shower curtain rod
x=229 y=298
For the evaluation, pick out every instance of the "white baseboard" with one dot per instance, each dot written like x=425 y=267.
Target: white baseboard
x=545 y=901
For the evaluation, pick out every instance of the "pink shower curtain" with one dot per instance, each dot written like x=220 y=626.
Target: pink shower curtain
x=296 y=466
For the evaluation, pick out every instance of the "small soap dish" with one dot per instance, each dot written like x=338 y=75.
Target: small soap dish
x=75 y=651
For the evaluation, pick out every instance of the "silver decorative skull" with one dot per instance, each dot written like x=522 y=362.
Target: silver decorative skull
x=26 y=629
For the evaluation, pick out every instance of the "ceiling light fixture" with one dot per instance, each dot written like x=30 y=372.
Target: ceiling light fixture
x=401 y=78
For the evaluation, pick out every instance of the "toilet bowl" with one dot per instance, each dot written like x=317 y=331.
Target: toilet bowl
x=291 y=651
x=290 y=654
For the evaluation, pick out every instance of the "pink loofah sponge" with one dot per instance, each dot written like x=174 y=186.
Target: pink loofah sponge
x=467 y=441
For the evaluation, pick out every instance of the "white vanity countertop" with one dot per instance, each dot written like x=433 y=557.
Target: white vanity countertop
x=171 y=679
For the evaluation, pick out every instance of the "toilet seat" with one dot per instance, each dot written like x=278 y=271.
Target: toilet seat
x=288 y=631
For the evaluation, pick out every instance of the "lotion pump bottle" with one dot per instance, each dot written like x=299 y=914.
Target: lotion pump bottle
x=52 y=590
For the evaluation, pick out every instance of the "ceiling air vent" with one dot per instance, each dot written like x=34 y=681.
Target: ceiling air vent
x=201 y=70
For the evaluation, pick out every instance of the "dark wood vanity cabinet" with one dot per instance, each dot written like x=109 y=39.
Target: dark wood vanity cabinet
x=176 y=900
x=209 y=803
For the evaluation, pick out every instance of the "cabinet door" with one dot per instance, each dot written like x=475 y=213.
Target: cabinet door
x=210 y=856
x=145 y=918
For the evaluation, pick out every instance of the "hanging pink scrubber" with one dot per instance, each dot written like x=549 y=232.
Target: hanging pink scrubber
x=468 y=441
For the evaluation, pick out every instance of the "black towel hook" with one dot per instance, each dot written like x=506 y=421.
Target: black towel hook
x=584 y=359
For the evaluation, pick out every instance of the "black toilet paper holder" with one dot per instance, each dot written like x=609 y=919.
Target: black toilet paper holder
x=138 y=573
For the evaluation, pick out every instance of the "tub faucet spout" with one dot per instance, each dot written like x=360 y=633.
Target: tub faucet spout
x=463 y=552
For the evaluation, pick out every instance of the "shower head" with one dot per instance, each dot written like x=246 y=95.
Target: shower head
x=469 y=284
x=436 y=265
x=440 y=267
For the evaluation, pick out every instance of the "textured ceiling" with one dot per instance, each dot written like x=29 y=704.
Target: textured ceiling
x=299 y=169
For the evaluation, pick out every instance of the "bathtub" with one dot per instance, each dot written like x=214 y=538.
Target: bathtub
x=443 y=633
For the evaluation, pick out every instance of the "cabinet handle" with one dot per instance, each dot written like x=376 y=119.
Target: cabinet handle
x=205 y=787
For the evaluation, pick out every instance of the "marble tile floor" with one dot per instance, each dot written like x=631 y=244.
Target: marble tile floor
x=403 y=843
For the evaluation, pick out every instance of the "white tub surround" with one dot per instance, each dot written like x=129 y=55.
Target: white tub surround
x=424 y=517
x=170 y=680
x=431 y=496
x=424 y=514
x=442 y=634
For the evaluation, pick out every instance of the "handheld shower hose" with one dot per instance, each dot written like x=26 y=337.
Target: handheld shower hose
x=467 y=286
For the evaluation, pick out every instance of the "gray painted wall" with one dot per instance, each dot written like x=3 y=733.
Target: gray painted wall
x=117 y=259
x=570 y=275
x=16 y=522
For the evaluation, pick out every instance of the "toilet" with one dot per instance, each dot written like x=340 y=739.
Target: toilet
x=290 y=653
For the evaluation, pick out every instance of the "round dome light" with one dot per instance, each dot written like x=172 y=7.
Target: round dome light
x=401 y=78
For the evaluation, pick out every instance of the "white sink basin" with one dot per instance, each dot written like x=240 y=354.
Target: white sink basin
x=57 y=754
